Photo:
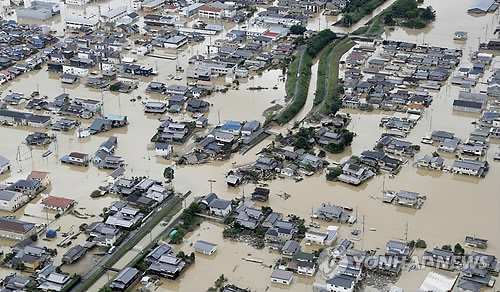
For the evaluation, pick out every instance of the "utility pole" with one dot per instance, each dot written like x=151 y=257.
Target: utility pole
x=211 y=181
x=406 y=232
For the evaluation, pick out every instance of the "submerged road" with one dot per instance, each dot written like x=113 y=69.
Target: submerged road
x=98 y=268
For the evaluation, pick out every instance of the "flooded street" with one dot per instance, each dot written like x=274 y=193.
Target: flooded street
x=456 y=205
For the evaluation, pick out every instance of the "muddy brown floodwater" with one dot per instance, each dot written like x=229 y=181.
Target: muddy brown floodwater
x=456 y=205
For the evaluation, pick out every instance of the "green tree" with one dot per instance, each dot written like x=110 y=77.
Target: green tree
x=177 y=238
x=168 y=173
x=347 y=20
x=412 y=13
x=309 y=168
x=302 y=143
x=297 y=29
x=428 y=14
x=335 y=147
x=446 y=247
x=347 y=137
x=115 y=87
x=458 y=249
x=388 y=19
x=95 y=194
x=321 y=153
x=400 y=7
x=332 y=174
x=266 y=210
x=105 y=289
x=420 y=243
x=34 y=237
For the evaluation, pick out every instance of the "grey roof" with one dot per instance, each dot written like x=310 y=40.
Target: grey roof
x=468 y=104
x=482 y=5
x=204 y=245
x=396 y=244
x=3 y=161
x=282 y=275
x=407 y=195
x=219 y=204
x=469 y=163
x=443 y=134
x=160 y=145
x=158 y=252
x=126 y=275
x=342 y=280
x=469 y=285
x=7 y=195
x=291 y=246
x=209 y=198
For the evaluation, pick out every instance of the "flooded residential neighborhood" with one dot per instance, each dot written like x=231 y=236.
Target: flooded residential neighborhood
x=249 y=145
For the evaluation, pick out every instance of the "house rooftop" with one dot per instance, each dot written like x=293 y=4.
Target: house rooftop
x=58 y=202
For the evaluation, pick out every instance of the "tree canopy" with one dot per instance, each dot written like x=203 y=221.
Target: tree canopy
x=297 y=29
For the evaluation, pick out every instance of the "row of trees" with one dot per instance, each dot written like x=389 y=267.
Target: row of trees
x=319 y=41
x=301 y=95
x=314 y=45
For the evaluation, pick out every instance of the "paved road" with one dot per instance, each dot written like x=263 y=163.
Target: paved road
x=107 y=257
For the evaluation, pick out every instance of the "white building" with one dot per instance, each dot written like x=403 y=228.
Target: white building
x=469 y=167
x=163 y=149
x=92 y=105
x=323 y=238
x=341 y=283
x=205 y=247
x=153 y=5
x=11 y=201
x=114 y=14
x=220 y=207
x=15 y=229
x=210 y=12
x=77 y=22
x=175 y=42
x=81 y=72
x=190 y=10
x=282 y=277
x=4 y=164
x=77 y=2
